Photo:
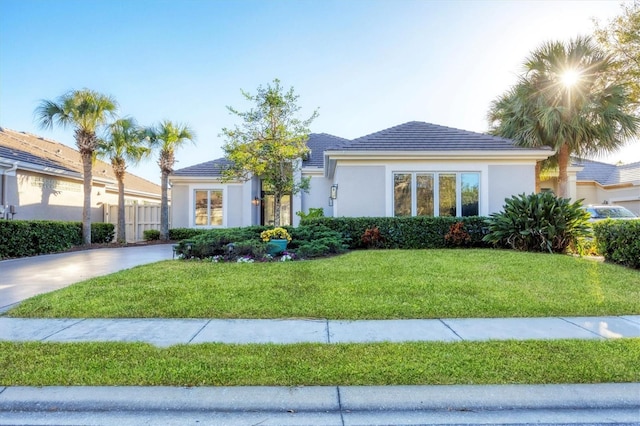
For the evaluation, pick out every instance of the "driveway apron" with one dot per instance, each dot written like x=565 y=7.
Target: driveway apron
x=30 y=276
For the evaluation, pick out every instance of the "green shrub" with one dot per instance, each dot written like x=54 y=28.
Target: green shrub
x=619 y=241
x=418 y=232
x=178 y=234
x=21 y=238
x=102 y=232
x=315 y=241
x=249 y=248
x=151 y=235
x=538 y=222
x=214 y=242
x=312 y=214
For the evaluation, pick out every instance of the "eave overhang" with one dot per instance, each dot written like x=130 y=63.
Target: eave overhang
x=331 y=157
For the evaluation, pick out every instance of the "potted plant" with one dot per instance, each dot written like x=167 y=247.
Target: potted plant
x=278 y=238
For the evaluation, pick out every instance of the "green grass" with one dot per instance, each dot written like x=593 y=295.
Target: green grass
x=358 y=285
x=533 y=362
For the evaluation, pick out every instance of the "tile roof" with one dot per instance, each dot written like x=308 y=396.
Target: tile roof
x=607 y=174
x=318 y=143
x=30 y=149
x=411 y=136
x=420 y=136
x=210 y=168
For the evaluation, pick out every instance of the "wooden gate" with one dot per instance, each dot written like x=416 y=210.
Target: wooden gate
x=138 y=218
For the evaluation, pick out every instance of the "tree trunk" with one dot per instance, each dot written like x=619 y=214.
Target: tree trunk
x=164 y=207
x=121 y=237
x=277 y=205
x=87 y=167
x=563 y=164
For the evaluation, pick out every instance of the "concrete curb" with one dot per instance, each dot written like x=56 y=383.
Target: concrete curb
x=323 y=398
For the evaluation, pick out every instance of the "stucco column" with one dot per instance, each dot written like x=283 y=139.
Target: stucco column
x=572 y=178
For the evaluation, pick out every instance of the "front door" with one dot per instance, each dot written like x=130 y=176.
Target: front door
x=269 y=210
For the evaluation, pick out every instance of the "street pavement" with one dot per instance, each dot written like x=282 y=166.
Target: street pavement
x=584 y=404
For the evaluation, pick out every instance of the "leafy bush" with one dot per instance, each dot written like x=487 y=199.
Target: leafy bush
x=21 y=238
x=458 y=235
x=312 y=214
x=214 y=242
x=619 y=241
x=102 y=232
x=538 y=222
x=151 y=235
x=419 y=232
x=177 y=234
x=315 y=240
x=372 y=238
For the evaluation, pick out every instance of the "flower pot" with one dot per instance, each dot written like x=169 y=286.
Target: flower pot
x=275 y=247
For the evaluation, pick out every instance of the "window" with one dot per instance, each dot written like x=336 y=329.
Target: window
x=436 y=194
x=208 y=207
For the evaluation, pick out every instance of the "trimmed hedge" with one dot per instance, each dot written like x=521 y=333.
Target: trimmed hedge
x=619 y=241
x=417 y=232
x=177 y=234
x=21 y=238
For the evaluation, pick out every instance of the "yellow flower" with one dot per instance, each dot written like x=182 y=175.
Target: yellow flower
x=275 y=234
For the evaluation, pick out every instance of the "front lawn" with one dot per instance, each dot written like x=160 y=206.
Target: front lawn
x=359 y=285
x=137 y=364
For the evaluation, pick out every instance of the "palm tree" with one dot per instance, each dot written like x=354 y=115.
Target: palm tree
x=583 y=115
x=124 y=144
x=166 y=137
x=86 y=111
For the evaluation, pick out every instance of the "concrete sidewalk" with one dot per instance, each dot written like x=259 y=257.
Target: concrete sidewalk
x=167 y=332
x=323 y=405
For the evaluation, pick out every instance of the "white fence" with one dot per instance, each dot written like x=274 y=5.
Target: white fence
x=138 y=218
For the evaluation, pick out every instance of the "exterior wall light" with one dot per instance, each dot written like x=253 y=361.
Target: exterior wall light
x=255 y=201
x=334 y=191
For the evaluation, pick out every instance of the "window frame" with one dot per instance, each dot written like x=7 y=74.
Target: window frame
x=222 y=207
x=436 y=189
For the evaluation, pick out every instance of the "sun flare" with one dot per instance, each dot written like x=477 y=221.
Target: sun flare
x=570 y=77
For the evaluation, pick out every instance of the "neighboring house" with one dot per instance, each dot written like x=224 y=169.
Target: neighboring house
x=42 y=179
x=602 y=183
x=412 y=169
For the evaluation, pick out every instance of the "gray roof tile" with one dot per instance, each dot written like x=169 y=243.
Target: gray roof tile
x=210 y=168
x=420 y=136
x=607 y=174
x=318 y=143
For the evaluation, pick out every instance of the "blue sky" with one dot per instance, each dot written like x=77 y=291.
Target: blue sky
x=364 y=64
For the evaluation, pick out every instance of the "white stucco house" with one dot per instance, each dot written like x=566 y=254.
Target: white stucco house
x=414 y=168
x=43 y=179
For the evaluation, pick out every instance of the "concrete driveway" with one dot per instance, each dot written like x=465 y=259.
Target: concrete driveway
x=29 y=276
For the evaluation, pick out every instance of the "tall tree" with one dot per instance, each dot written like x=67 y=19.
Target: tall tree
x=621 y=39
x=566 y=100
x=85 y=111
x=270 y=143
x=166 y=137
x=123 y=145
